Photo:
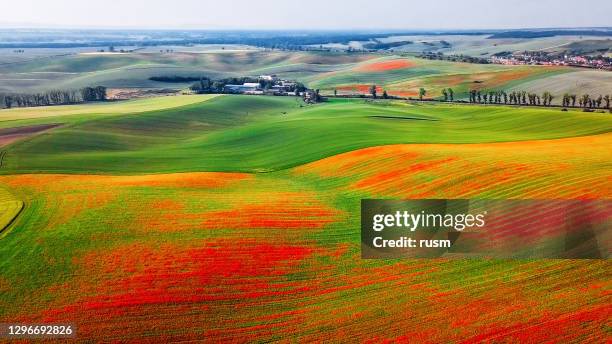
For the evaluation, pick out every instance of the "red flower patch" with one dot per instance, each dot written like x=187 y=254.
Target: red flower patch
x=386 y=66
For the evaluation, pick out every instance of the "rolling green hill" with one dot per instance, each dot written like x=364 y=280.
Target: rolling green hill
x=255 y=134
x=134 y=69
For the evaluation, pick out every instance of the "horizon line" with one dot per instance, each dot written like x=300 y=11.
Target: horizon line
x=236 y=29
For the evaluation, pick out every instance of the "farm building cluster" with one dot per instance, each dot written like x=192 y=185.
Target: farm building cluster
x=267 y=84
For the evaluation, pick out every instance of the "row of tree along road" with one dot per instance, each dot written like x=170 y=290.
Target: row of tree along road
x=585 y=101
x=545 y=99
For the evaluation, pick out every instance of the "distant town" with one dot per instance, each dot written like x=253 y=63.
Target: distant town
x=530 y=58
x=546 y=59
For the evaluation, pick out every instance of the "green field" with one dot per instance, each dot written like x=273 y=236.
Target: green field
x=256 y=134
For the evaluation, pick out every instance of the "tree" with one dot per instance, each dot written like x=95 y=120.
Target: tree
x=445 y=94
x=451 y=94
x=573 y=96
x=100 y=92
x=204 y=86
x=607 y=101
x=566 y=99
x=585 y=100
x=598 y=101
x=218 y=86
x=517 y=98
x=335 y=92
x=299 y=87
x=373 y=91
x=422 y=93
x=88 y=94
x=385 y=95
x=8 y=102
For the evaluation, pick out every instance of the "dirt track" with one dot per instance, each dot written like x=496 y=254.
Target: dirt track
x=10 y=135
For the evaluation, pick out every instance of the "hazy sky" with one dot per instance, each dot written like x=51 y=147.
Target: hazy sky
x=310 y=14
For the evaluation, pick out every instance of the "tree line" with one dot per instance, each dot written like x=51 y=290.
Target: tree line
x=453 y=58
x=545 y=99
x=54 y=97
x=585 y=101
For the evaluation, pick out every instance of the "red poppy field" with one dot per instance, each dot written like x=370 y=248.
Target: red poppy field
x=385 y=66
x=232 y=260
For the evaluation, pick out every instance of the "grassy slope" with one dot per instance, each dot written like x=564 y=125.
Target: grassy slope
x=577 y=82
x=133 y=70
x=141 y=142
x=242 y=133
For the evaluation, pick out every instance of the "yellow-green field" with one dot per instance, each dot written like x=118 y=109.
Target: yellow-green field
x=9 y=209
x=9 y=116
